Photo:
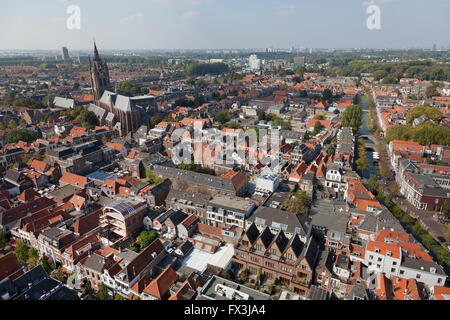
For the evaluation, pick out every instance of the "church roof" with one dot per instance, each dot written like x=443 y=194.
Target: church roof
x=108 y=97
x=99 y=112
x=110 y=116
x=124 y=103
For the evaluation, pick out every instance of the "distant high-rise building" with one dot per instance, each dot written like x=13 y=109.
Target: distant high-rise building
x=254 y=63
x=434 y=47
x=299 y=61
x=65 y=53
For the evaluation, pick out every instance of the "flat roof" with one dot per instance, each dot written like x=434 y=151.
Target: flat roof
x=231 y=203
x=209 y=290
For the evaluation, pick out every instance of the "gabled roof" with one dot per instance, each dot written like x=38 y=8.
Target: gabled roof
x=160 y=286
x=143 y=259
x=266 y=237
x=10 y=267
x=280 y=241
x=252 y=233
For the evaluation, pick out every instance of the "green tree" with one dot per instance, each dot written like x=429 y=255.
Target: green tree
x=379 y=74
x=21 y=251
x=261 y=115
x=60 y=274
x=299 y=203
x=373 y=184
x=3 y=240
x=88 y=119
x=431 y=91
x=12 y=124
x=352 y=117
x=146 y=237
x=46 y=264
x=317 y=128
x=128 y=89
x=446 y=208
x=33 y=257
x=222 y=117
x=21 y=134
x=431 y=112
x=327 y=95
x=447 y=233
x=319 y=117
x=144 y=91
x=103 y=292
x=362 y=163
x=118 y=297
x=88 y=288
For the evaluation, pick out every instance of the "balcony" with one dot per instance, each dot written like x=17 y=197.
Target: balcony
x=301 y=280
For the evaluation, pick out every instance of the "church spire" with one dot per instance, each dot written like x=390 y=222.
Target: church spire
x=96 y=56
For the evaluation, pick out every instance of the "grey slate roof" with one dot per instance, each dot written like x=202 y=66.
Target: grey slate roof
x=110 y=117
x=422 y=265
x=124 y=103
x=279 y=219
x=12 y=175
x=64 y=103
x=99 y=112
x=316 y=293
x=95 y=262
x=357 y=292
x=201 y=179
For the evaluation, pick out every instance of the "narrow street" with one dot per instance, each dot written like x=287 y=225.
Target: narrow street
x=435 y=228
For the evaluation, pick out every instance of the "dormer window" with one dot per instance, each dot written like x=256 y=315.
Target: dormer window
x=389 y=254
x=377 y=249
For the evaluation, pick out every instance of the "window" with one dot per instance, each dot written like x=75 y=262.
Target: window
x=394 y=263
x=418 y=276
x=371 y=257
x=392 y=269
x=379 y=259
x=402 y=271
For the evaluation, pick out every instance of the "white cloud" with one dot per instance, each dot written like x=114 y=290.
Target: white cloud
x=189 y=15
x=132 y=18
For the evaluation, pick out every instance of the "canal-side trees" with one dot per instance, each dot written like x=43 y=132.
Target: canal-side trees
x=362 y=163
x=352 y=117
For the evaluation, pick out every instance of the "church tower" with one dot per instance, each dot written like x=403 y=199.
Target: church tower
x=99 y=74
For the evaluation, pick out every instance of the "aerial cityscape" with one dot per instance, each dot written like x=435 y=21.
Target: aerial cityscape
x=158 y=151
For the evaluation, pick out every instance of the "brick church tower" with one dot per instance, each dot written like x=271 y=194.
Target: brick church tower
x=99 y=75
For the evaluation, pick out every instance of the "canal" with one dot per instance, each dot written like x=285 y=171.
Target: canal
x=364 y=103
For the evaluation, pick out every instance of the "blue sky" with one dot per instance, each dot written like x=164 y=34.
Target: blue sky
x=195 y=24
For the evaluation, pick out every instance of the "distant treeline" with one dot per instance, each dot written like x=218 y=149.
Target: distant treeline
x=27 y=61
x=390 y=72
x=156 y=61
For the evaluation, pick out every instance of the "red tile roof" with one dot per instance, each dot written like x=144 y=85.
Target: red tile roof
x=160 y=286
x=10 y=267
